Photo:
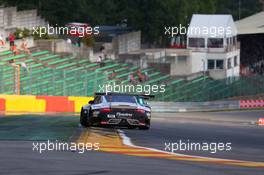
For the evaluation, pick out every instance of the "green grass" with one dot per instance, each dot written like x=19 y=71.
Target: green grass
x=36 y=127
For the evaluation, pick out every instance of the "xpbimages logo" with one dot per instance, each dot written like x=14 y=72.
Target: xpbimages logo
x=81 y=31
x=188 y=145
x=192 y=30
x=130 y=88
x=41 y=147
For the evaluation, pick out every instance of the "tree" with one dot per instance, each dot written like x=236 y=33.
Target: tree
x=149 y=16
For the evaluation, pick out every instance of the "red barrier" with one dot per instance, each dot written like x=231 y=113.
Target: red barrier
x=57 y=104
x=251 y=103
x=2 y=104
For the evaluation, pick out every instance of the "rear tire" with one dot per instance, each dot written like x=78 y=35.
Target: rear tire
x=147 y=125
x=131 y=127
x=85 y=118
x=144 y=127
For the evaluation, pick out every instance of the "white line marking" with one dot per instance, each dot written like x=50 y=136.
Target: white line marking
x=127 y=141
x=182 y=110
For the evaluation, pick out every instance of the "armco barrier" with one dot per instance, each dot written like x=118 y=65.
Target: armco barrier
x=31 y=103
x=193 y=106
x=205 y=106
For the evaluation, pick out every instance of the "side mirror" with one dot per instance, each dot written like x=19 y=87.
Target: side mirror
x=91 y=102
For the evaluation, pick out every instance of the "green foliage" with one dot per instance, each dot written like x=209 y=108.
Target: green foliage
x=88 y=41
x=149 y=16
x=18 y=33
x=26 y=32
x=238 y=8
x=22 y=33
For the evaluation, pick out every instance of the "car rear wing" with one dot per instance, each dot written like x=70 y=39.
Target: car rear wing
x=145 y=96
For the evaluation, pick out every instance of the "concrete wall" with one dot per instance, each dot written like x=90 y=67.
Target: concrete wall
x=154 y=55
x=198 y=62
x=10 y=19
x=217 y=74
x=61 y=46
x=126 y=43
x=195 y=63
x=162 y=67
x=29 y=19
x=234 y=71
x=180 y=66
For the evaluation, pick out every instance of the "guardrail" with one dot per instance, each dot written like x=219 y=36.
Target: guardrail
x=193 y=106
x=31 y=103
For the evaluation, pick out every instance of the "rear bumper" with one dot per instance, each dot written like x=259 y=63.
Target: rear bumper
x=121 y=118
x=124 y=122
x=121 y=122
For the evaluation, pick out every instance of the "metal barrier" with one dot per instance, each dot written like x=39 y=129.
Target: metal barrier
x=193 y=106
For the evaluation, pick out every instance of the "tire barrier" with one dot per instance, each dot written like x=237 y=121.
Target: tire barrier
x=251 y=103
x=31 y=103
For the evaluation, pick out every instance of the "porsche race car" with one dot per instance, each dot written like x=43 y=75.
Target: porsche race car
x=117 y=109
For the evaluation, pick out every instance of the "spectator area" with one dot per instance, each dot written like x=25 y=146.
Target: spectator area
x=49 y=74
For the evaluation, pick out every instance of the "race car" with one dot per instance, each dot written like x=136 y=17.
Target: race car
x=117 y=109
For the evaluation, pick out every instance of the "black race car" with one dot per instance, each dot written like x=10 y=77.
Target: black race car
x=116 y=109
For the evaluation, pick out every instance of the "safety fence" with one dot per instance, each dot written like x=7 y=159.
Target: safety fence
x=43 y=73
x=206 y=89
x=48 y=81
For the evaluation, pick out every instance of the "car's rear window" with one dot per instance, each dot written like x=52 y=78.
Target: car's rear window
x=120 y=98
x=141 y=101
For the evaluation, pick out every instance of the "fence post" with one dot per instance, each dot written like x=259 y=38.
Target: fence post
x=95 y=81
x=30 y=80
x=53 y=91
x=17 y=79
x=1 y=80
x=85 y=84
x=64 y=83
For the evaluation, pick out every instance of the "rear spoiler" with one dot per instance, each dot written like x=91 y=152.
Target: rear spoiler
x=146 y=96
x=100 y=93
x=114 y=93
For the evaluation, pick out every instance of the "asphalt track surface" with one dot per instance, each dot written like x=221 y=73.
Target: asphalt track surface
x=18 y=132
